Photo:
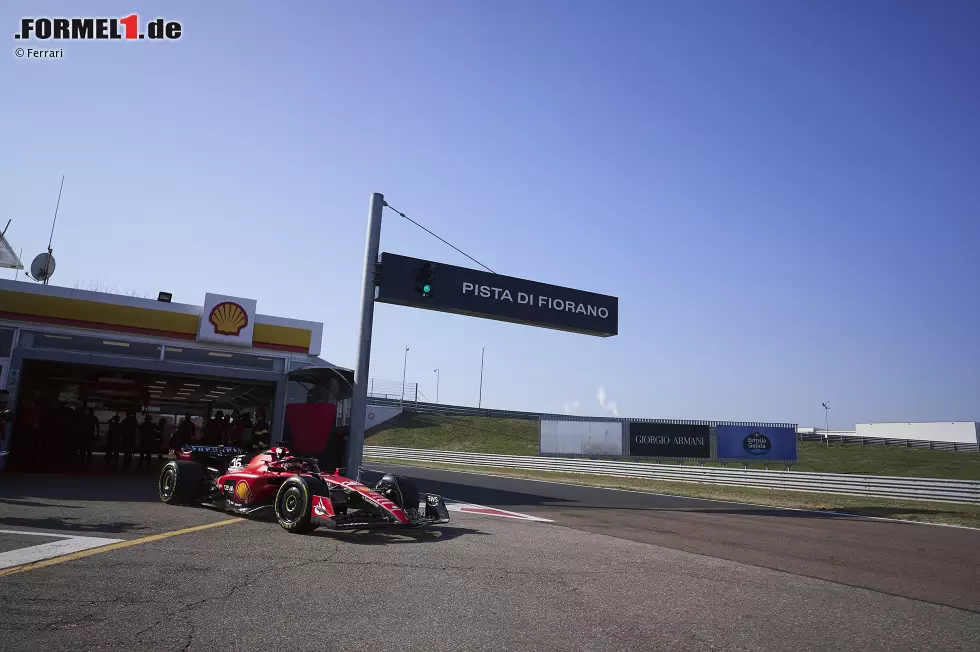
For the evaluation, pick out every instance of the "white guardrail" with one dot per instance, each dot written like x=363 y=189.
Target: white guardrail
x=935 y=489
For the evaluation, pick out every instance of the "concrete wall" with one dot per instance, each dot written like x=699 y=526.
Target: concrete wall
x=581 y=437
x=378 y=414
x=962 y=432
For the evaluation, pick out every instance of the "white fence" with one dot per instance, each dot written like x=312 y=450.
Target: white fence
x=936 y=489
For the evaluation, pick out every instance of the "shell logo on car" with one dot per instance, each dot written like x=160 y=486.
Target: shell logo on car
x=228 y=318
x=242 y=491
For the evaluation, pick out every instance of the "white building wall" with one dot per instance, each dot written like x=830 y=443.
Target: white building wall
x=378 y=414
x=961 y=432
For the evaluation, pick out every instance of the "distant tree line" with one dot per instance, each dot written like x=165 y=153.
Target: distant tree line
x=110 y=289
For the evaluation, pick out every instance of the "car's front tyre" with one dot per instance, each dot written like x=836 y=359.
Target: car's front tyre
x=294 y=506
x=180 y=482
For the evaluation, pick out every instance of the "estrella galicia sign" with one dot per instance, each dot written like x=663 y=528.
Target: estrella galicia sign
x=762 y=442
x=756 y=444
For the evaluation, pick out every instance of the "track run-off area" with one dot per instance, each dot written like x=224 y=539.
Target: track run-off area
x=98 y=563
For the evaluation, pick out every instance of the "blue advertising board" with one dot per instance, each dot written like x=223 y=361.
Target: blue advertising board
x=756 y=442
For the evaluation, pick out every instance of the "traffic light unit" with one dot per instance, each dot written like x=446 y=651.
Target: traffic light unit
x=425 y=279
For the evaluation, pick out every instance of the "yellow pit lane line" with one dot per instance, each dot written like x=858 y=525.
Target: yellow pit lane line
x=112 y=546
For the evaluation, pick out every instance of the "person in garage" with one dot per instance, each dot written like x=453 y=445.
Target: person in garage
x=235 y=431
x=112 y=442
x=162 y=435
x=147 y=437
x=184 y=434
x=127 y=431
x=89 y=425
x=213 y=429
x=260 y=434
x=245 y=438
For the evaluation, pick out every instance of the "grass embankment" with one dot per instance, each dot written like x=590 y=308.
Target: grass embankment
x=926 y=512
x=517 y=437
x=887 y=460
x=447 y=433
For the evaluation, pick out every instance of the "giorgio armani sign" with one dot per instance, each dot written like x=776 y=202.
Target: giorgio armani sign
x=447 y=288
x=669 y=440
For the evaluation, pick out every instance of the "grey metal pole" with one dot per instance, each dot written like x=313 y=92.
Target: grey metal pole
x=401 y=403
x=437 y=386
x=826 y=423
x=355 y=442
x=480 y=402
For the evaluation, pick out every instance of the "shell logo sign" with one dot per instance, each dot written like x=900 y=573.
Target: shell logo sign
x=227 y=320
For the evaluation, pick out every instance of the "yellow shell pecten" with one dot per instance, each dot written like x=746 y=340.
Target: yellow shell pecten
x=242 y=492
x=228 y=318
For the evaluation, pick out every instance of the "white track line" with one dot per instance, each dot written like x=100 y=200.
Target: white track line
x=470 y=508
x=69 y=543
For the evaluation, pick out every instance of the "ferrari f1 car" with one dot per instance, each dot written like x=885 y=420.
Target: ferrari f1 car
x=302 y=496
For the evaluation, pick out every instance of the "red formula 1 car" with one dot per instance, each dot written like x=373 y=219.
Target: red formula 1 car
x=302 y=496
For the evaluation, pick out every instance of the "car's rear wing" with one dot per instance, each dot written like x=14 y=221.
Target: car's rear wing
x=217 y=451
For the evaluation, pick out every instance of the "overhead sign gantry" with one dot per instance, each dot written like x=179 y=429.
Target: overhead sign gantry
x=430 y=285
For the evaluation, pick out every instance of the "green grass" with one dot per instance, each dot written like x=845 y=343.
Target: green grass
x=928 y=512
x=518 y=437
x=447 y=433
x=888 y=460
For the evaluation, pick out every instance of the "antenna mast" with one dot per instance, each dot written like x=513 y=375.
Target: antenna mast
x=47 y=263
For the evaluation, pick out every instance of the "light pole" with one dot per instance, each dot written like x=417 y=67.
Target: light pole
x=401 y=403
x=826 y=421
x=480 y=402
x=437 y=385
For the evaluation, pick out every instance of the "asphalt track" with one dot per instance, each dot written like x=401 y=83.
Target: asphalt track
x=925 y=562
x=615 y=571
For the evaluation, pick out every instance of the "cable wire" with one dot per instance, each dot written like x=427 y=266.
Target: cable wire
x=436 y=236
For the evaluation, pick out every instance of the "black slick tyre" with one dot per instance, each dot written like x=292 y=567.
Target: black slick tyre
x=398 y=490
x=180 y=482
x=294 y=505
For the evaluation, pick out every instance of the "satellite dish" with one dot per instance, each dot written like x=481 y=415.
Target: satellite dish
x=43 y=267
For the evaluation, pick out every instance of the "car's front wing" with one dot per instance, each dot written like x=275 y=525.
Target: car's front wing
x=431 y=511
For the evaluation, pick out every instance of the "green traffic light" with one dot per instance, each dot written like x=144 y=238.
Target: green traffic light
x=427 y=288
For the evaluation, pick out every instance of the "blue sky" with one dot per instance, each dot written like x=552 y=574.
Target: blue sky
x=783 y=194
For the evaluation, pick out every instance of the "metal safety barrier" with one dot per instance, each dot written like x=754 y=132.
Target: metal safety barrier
x=900 y=488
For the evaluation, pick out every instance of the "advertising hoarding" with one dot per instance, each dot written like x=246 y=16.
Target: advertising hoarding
x=756 y=442
x=581 y=438
x=670 y=440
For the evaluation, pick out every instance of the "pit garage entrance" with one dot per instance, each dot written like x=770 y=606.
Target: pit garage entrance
x=57 y=400
x=66 y=352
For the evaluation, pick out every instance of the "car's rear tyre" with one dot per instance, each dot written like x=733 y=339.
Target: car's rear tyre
x=180 y=482
x=294 y=505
